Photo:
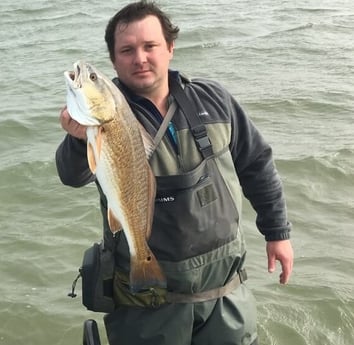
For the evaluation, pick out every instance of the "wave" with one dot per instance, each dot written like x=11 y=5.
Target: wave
x=321 y=188
x=290 y=29
x=303 y=319
x=336 y=165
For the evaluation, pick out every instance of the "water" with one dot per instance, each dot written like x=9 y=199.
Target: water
x=289 y=63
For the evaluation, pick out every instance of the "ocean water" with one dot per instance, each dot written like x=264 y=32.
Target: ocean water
x=290 y=64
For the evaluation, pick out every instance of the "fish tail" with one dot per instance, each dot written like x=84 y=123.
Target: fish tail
x=146 y=273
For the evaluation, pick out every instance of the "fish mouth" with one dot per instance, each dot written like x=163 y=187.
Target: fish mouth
x=71 y=75
x=73 y=78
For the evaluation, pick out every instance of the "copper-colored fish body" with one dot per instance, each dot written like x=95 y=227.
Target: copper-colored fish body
x=117 y=149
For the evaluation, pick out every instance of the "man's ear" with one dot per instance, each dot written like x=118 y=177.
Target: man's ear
x=171 y=47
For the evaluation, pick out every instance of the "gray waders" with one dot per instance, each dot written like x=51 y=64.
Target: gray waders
x=197 y=239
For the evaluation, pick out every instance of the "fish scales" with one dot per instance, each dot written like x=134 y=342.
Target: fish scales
x=129 y=176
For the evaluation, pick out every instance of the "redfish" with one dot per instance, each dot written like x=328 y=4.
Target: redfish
x=118 y=148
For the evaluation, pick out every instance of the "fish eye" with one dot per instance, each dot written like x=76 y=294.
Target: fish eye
x=93 y=76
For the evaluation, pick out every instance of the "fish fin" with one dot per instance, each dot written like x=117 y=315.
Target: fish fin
x=146 y=273
x=91 y=158
x=113 y=222
x=152 y=195
x=99 y=140
x=148 y=142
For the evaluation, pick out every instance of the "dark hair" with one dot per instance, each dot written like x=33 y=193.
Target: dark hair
x=137 y=11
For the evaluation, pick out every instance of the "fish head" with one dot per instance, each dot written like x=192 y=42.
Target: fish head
x=91 y=96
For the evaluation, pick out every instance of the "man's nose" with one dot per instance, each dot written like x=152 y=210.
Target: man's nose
x=140 y=57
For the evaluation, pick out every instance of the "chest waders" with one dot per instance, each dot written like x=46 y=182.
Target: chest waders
x=198 y=243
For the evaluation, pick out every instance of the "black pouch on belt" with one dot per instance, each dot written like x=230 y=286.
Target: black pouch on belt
x=97 y=273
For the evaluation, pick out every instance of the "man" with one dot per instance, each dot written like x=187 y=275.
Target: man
x=206 y=159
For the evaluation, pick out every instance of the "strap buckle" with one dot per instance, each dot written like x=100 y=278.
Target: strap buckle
x=243 y=275
x=155 y=298
x=203 y=142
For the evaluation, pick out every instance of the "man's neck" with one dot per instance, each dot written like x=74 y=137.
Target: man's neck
x=159 y=99
x=160 y=103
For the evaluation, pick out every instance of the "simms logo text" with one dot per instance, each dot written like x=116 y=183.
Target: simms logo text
x=164 y=199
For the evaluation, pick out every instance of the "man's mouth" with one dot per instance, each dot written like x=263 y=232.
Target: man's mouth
x=141 y=72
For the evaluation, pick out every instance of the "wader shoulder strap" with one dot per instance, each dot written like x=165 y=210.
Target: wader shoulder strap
x=163 y=127
x=189 y=109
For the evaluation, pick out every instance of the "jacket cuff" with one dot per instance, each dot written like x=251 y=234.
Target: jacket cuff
x=278 y=236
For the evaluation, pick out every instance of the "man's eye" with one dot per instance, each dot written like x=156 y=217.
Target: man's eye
x=126 y=51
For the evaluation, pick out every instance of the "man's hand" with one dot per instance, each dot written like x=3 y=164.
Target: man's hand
x=72 y=126
x=283 y=252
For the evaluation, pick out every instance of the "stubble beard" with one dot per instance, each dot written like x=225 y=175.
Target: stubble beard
x=145 y=87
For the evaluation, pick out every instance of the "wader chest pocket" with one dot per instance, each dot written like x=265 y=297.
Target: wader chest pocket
x=206 y=194
x=194 y=214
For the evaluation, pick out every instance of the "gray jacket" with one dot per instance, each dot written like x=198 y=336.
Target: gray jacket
x=227 y=126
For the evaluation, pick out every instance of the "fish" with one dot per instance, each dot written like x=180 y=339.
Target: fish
x=118 y=152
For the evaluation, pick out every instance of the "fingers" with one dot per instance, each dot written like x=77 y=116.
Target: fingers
x=280 y=251
x=64 y=118
x=271 y=263
x=286 y=272
x=71 y=126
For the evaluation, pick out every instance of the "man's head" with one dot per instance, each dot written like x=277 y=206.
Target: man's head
x=135 y=12
x=140 y=40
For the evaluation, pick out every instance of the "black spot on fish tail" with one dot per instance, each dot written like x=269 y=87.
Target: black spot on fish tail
x=146 y=274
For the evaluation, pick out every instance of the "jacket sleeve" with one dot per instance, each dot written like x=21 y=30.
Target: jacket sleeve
x=71 y=161
x=259 y=179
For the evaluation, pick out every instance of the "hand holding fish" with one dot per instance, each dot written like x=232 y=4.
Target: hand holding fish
x=71 y=126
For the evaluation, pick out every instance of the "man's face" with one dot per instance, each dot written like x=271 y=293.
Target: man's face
x=142 y=56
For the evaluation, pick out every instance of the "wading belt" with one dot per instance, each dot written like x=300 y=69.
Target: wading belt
x=208 y=295
x=156 y=297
